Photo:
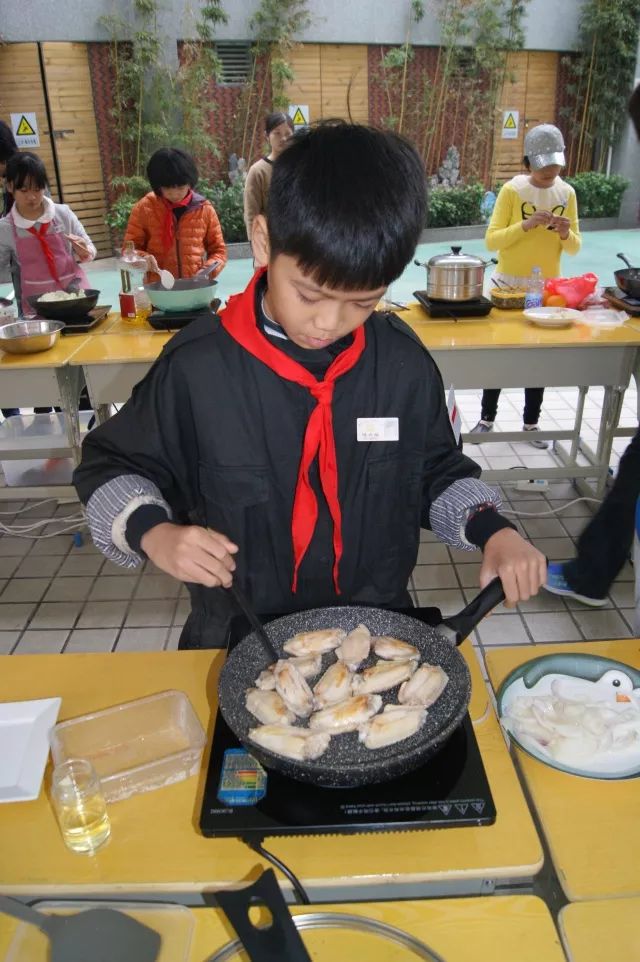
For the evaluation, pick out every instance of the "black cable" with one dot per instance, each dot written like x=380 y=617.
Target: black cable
x=303 y=898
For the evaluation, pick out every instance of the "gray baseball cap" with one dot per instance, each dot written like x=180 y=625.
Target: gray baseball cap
x=544 y=146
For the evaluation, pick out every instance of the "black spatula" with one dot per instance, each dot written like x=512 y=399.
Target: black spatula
x=101 y=935
x=275 y=943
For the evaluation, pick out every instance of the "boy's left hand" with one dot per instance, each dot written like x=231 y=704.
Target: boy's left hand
x=521 y=567
x=79 y=245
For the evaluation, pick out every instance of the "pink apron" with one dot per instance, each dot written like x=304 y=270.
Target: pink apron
x=35 y=275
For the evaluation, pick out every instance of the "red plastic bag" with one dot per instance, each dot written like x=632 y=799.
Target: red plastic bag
x=573 y=289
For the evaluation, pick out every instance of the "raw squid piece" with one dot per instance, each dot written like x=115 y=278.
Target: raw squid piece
x=334 y=686
x=314 y=642
x=293 y=689
x=393 y=649
x=396 y=723
x=355 y=648
x=300 y=744
x=268 y=707
x=346 y=716
x=424 y=687
x=383 y=676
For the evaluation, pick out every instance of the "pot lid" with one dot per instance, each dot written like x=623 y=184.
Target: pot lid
x=331 y=935
x=456 y=260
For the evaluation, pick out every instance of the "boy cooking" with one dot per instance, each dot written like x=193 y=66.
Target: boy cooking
x=296 y=442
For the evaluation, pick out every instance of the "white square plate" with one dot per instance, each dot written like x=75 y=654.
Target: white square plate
x=24 y=746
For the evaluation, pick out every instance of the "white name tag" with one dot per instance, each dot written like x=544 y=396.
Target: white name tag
x=377 y=429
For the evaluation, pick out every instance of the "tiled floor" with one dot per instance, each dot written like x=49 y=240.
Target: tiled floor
x=56 y=597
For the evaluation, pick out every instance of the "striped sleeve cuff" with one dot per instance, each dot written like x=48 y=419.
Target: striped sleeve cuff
x=109 y=509
x=452 y=509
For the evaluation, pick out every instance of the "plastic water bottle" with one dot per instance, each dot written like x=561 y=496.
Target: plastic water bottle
x=535 y=289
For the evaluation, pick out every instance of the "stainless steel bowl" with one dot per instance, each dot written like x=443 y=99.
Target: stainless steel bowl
x=29 y=337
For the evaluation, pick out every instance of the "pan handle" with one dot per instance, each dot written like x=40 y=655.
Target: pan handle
x=458 y=627
x=623 y=257
x=274 y=943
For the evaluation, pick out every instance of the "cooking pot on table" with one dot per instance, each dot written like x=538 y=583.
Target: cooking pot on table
x=347 y=762
x=455 y=276
x=187 y=294
x=628 y=281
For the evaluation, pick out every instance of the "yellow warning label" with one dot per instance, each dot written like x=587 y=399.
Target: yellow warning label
x=509 y=122
x=298 y=118
x=24 y=128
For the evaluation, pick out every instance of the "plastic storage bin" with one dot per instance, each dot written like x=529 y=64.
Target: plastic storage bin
x=174 y=923
x=138 y=746
x=33 y=433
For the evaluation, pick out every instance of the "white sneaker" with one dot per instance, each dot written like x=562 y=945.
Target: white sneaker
x=482 y=427
x=538 y=443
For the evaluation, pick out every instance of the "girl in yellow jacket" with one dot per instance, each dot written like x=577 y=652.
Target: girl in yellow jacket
x=534 y=221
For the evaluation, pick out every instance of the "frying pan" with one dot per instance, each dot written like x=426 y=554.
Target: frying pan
x=346 y=762
x=187 y=294
x=629 y=280
x=65 y=310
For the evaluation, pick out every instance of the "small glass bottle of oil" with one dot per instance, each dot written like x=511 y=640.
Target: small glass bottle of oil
x=80 y=806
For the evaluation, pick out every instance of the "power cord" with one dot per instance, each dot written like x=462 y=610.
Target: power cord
x=546 y=514
x=303 y=898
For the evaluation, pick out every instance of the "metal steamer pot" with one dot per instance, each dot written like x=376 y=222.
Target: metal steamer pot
x=628 y=281
x=347 y=762
x=455 y=276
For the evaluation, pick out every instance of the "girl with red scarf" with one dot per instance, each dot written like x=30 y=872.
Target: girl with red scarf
x=41 y=242
x=173 y=227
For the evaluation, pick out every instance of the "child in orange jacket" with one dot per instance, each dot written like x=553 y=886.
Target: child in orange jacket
x=173 y=227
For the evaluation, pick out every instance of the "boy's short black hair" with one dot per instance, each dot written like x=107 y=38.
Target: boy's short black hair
x=349 y=203
x=8 y=145
x=26 y=168
x=274 y=120
x=171 y=167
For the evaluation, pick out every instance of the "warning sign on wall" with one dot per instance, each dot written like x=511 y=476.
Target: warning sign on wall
x=299 y=113
x=25 y=129
x=510 y=124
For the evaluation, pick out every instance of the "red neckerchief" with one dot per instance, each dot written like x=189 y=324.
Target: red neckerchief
x=169 y=223
x=40 y=233
x=239 y=321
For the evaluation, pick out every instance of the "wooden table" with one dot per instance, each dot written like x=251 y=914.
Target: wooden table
x=34 y=380
x=592 y=827
x=504 y=350
x=114 y=363
x=515 y=927
x=156 y=847
x=601 y=931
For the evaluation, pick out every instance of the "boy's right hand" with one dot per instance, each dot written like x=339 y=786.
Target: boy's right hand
x=541 y=218
x=189 y=553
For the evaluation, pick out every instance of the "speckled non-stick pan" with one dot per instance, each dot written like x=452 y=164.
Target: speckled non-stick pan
x=347 y=762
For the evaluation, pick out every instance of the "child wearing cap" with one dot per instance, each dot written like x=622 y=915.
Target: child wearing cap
x=296 y=442
x=534 y=221
x=278 y=128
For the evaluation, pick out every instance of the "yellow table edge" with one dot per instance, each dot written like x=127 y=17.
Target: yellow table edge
x=601 y=930
x=476 y=929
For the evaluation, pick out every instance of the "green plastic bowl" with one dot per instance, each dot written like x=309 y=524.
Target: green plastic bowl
x=188 y=294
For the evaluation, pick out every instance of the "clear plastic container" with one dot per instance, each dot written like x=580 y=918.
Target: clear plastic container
x=33 y=432
x=174 y=923
x=135 y=747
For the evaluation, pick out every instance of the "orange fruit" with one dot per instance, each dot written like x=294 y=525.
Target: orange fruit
x=555 y=300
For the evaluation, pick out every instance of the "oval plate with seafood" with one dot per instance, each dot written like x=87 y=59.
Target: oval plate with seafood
x=586 y=719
